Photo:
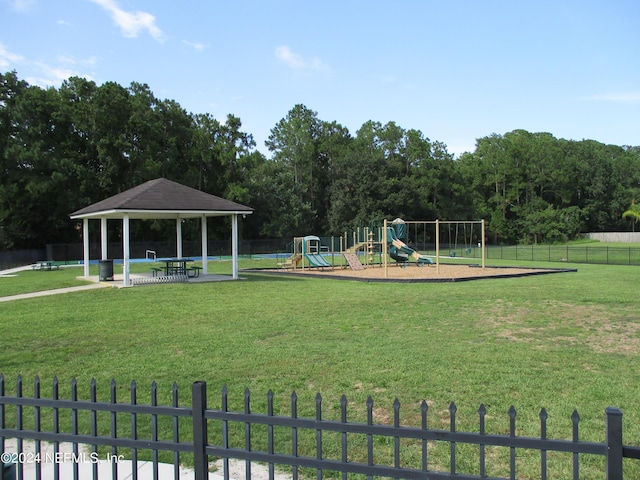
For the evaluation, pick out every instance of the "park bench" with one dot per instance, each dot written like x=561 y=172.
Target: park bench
x=155 y=270
x=194 y=271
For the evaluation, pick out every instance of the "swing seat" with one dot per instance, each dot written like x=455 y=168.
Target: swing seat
x=452 y=254
x=467 y=251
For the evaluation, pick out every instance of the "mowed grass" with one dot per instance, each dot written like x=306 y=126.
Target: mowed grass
x=564 y=341
x=28 y=281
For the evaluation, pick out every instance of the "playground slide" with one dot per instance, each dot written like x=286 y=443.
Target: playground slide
x=397 y=255
x=316 y=260
x=403 y=247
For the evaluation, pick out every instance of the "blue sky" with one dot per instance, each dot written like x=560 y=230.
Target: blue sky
x=456 y=70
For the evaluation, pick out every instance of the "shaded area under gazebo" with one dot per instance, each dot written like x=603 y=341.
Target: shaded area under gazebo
x=159 y=199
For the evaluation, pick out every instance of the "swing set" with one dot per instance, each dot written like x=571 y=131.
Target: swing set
x=456 y=235
x=467 y=244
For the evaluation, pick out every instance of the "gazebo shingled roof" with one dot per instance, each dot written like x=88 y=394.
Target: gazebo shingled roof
x=161 y=198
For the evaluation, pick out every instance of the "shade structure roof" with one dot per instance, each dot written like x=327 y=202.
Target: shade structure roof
x=161 y=198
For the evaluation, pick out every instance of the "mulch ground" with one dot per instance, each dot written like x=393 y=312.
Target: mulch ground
x=414 y=273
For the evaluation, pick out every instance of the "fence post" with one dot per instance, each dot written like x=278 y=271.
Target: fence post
x=614 y=443
x=200 y=437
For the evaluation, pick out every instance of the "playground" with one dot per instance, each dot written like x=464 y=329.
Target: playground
x=399 y=251
x=414 y=274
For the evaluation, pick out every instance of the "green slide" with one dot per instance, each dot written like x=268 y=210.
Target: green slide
x=316 y=260
x=400 y=251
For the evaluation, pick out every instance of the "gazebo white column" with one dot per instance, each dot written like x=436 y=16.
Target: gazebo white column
x=203 y=226
x=234 y=244
x=178 y=237
x=125 y=248
x=85 y=245
x=103 y=238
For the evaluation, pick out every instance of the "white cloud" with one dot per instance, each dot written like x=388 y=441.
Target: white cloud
x=8 y=59
x=195 y=45
x=72 y=62
x=131 y=23
x=52 y=76
x=45 y=74
x=622 y=97
x=298 y=62
x=285 y=54
x=20 y=5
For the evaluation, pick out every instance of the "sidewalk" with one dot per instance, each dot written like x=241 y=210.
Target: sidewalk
x=105 y=470
x=12 y=271
x=117 y=282
x=64 y=459
x=52 y=292
x=144 y=470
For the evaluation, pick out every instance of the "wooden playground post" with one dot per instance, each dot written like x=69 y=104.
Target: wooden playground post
x=437 y=246
x=333 y=259
x=384 y=248
x=483 y=246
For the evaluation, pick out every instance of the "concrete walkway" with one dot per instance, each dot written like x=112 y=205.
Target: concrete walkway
x=118 y=282
x=13 y=271
x=52 y=292
x=145 y=470
x=65 y=458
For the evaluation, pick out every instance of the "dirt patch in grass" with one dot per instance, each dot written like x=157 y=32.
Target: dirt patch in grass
x=594 y=327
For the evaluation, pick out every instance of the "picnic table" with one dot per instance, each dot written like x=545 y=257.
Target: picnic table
x=45 y=265
x=175 y=266
x=178 y=266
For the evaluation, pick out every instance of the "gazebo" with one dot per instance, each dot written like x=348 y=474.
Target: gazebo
x=159 y=199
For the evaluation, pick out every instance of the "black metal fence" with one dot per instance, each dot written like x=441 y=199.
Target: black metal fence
x=567 y=254
x=72 y=253
x=18 y=258
x=216 y=248
x=193 y=434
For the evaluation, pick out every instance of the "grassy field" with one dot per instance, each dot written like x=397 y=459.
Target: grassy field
x=563 y=342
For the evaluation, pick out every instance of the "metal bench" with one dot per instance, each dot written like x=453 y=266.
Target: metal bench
x=156 y=270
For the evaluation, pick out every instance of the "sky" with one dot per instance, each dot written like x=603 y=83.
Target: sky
x=457 y=70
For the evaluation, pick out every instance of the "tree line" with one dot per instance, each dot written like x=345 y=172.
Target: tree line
x=64 y=148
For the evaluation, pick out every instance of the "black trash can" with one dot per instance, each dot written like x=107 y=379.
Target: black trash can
x=106 y=270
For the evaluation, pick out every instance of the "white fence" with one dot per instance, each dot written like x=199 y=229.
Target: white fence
x=622 y=237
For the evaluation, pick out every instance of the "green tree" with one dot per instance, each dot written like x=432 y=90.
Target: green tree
x=11 y=91
x=143 y=133
x=237 y=158
x=492 y=177
x=276 y=196
x=296 y=143
x=633 y=213
x=435 y=189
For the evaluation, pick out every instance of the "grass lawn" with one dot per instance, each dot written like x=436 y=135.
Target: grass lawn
x=563 y=342
x=28 y=281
